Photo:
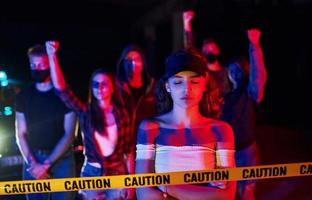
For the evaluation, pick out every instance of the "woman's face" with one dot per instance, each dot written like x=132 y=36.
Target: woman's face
x=186 y=88
x=102 y=87
x=136 y=61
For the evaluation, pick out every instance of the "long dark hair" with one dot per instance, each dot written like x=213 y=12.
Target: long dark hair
x=124 y=72
x=243 y=65
x=209 y=106
x=97 y=117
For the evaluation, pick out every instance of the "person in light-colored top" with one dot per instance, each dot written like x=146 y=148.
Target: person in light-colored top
x=185 y=136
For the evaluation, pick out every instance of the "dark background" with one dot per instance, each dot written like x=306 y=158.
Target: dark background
x=92 y=34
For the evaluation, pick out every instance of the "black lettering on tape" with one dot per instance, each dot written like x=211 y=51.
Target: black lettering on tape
x=199 y=177
x=147 y=180
x=264 y=172
x=306 y=169
x=85 y=184
x=20 y=188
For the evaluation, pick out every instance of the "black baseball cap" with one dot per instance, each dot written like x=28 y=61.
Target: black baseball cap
x=185 y=60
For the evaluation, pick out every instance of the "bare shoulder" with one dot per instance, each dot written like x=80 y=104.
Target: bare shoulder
x=222 y=130
x=149 y=124
x=222 y=124
x=148 y=131
x=215 y=123
x=164 y=120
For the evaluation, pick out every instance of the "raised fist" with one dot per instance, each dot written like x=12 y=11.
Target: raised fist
x=187 y=18
x=52 y=47
x=188 y=15
x=254 y=35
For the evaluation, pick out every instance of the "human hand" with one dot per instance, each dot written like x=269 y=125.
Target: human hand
x=39 y=171
x=187 y=19
x=254 y=35
x=188 y=15
x=219 y=184
x=52 y=47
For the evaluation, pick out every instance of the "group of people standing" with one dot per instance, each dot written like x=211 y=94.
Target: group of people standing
x=131 y=124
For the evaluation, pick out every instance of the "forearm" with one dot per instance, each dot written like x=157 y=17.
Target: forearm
x=71 y=101
x=36 y=169
x=66 y=141
x=24 y=149
x=130 y=163
x=187 y=29
x=257 y=61
x=188 y=39
x=258 y=73
x=61 y=147
x=21 y=130
x=56 y=72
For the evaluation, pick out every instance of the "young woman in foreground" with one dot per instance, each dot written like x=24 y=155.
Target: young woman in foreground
x=185 y=136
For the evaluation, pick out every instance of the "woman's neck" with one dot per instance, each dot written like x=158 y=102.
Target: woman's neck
x=136 y=81
x=186 y=117
x=106 y=106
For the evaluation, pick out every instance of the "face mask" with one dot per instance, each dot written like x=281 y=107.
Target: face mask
x=211 y=58
x=40 y=75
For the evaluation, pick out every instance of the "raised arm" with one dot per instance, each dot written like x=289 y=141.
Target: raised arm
x=258 y=73
x=63 y=91
x=55 y=69
x=187 y=28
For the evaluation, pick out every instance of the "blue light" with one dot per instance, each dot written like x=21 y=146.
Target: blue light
x=4 y=83
x=3 y=76
x=3 y=79
x=8 y=111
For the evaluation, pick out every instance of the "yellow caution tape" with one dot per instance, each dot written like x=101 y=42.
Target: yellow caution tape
x=146 y=180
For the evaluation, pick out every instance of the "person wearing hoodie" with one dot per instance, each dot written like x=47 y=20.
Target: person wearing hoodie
x=136 y=86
